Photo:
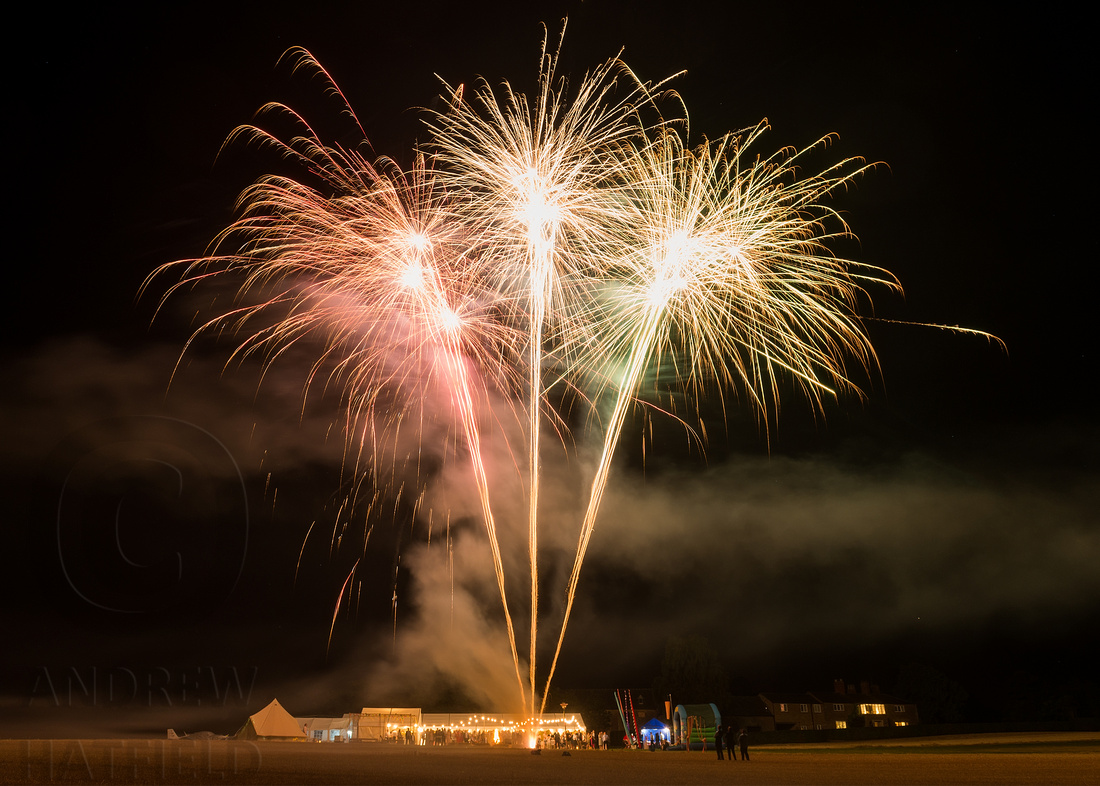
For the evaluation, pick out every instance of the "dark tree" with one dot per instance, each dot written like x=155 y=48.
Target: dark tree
x=692 y=672
x=938 y=698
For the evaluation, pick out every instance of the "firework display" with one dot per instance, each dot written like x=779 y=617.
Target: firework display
x=575 y=239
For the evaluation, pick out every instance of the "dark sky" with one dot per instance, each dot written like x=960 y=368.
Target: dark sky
x=156 y=532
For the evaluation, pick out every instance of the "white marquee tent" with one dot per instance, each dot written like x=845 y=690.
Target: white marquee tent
x=380 y=723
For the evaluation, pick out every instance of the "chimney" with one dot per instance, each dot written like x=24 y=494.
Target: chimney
x=865 y=687
x=838 y=686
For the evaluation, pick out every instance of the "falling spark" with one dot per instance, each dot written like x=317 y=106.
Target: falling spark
x=340 y=599
x=557 y=240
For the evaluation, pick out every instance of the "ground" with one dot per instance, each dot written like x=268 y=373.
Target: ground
x=978 y=759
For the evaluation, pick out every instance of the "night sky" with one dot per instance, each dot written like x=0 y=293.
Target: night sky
x=155 y=532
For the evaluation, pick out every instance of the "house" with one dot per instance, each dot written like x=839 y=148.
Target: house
x=869 y=707
x=793 y=710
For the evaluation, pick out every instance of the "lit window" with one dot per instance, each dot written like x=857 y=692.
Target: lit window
x=872 y=709
x=842 y=724
x=782 y=707
x=901 y=723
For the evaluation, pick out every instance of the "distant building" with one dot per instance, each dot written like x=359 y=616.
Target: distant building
x=868 y=707
x=794 y=711
x=842 y=708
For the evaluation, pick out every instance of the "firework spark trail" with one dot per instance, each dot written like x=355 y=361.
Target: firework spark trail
x=379 y=274
x=526 y=175
x=728 y=269
x=451 y=325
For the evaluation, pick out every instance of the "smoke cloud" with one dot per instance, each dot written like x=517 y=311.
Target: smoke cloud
x=758 y=554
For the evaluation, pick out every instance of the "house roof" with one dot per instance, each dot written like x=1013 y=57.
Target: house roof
x=838 y=698
x=788 y=698
x=858 y=698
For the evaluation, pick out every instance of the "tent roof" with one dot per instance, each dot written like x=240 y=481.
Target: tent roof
x=274 y=721
x=656 y=724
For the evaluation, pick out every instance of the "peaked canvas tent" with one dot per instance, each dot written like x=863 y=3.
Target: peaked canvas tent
x=271 y=723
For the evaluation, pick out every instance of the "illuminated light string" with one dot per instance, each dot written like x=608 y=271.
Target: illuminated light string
x=565 y=237
x=530 y=727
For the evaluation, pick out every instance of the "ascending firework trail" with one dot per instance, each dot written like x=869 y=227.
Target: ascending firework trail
x=532 y=178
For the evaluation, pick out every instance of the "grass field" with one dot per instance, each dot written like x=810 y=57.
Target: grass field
x=977 y=759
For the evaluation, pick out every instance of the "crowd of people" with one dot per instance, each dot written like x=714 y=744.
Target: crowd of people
x=572 y=740
x=545 y=740
x=726 y=739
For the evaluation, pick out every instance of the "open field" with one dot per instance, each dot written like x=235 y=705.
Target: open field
x=976 y=759
x=1021 y=742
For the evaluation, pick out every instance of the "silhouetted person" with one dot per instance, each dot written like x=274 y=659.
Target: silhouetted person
x=731 y=742
x=743 y=741
x=718 y=741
